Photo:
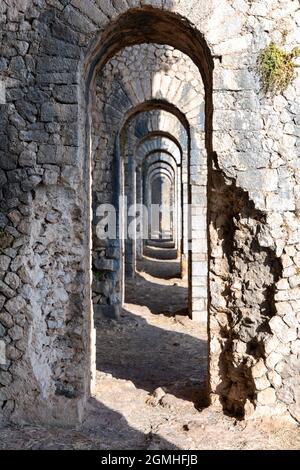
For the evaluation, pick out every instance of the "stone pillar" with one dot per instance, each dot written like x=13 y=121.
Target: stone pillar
x=172 y=211
x=185 y=219
x=198 y=250
x=165 y=187
x=156 y=202
x=198 y=254
x=178 y=209
x=130 y=241
x=139 y=200
x=147 y=202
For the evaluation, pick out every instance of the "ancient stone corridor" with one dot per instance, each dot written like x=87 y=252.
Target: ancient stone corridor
x=149 y=223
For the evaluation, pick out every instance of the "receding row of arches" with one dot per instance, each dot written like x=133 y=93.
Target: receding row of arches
x=149 y=135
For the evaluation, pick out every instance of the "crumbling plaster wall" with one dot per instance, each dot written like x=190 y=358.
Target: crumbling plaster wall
x=44 y=187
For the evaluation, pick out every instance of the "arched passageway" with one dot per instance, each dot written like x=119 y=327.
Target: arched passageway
x=153 y=269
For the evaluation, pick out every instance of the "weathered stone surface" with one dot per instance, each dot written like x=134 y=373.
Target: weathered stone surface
x=59 y=139
x=5 y=378
x=2 y=331
x=56 y=154
x=51 y=112
x=285 y=394
x=12 y=280
x=6 y=290
x=4 y=262
x=66 y=94
x=295 y=412
x=15 y=304
x=273 y=359
x=6 y=319
x=34 y=136
x=282 y=331
x=274 y=379
x=16 y=333
x=27 y=158
x=259 y=369
x=261 y=383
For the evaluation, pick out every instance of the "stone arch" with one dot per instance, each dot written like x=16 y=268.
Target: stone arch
x=162 y=156
x=161 y=166
x=160 y=172
x=129 y=29
x=49 y=154
x=65 y=159
x=172 y=116
x=237 y=397
x=165 y=142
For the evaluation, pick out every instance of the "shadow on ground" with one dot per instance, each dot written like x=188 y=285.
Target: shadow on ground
x=154 y=344
x=102 y=429
x=157 y=284
x=147 y=292
x=116 y=433
x=152 y=357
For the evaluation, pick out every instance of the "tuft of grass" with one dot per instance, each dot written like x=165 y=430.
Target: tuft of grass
x=276 y=68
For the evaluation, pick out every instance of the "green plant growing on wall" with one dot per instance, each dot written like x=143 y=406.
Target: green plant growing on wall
x=276 y=68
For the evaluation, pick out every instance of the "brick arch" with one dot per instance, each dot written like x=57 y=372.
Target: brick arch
x=150 y=25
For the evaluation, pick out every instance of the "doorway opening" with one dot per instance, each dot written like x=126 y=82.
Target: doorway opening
x=149 y=176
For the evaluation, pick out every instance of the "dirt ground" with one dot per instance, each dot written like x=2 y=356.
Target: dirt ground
x=151 y=380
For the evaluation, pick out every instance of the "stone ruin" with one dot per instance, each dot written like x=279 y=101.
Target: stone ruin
x=102 y=98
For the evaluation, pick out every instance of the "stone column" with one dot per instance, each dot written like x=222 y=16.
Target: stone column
x=198 y=259
x=185 y=219
x=178 y=209
x=156 y=202
x=139 y=200
x=166 y=191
